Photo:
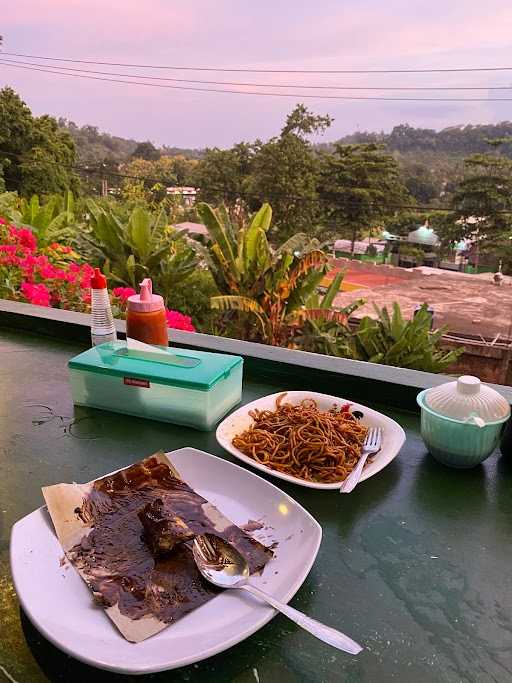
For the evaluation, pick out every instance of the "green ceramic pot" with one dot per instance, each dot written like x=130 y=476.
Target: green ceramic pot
x=456 y=443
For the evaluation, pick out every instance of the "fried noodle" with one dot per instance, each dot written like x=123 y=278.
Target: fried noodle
x=304 y=441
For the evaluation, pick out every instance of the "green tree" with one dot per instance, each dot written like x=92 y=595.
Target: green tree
x=482 y=206
x=485 y=194
x=404 y=221
x=146 y=180
x=285 y=173
x=302 y=122
x=36 y=156
x=222 y=174
x=420 y=182
x=360 y=187
x=146 y=150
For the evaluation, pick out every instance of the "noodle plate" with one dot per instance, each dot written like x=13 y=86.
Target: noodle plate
x=304 y=441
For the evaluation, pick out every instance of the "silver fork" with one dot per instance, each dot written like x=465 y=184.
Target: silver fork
x=371 y=445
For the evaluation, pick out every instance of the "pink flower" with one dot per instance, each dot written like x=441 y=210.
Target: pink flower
x=36 y=294
x=123 y=293
x=24 y=237
x=47 y=272
x=179 y=321
x=87 y=272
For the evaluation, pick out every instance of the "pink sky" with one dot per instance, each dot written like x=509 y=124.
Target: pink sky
x=282 y=34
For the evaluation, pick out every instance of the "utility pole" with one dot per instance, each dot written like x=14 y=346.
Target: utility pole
x=104 y=187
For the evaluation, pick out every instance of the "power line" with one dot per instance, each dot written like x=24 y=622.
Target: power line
x=273 y=71
x=265 y=85
x=242 y=195
x=263 y=94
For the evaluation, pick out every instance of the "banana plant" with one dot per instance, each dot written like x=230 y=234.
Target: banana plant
x=53 y=221
x=391 y=340
x=322 y=328
x=273 y=286
x=140 y=246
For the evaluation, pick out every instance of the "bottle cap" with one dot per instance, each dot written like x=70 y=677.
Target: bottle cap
x=145 y=301
x=98 y=280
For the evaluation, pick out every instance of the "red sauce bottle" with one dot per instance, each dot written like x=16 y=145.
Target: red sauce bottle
x=145 y=319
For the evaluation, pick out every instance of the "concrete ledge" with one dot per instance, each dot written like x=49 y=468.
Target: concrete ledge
x=384 y=380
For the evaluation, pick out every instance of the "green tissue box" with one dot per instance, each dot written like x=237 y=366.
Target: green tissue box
x=192 y=388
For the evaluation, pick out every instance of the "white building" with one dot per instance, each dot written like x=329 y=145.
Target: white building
x=186 y=194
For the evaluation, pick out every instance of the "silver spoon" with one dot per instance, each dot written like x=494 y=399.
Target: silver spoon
x=221 y=564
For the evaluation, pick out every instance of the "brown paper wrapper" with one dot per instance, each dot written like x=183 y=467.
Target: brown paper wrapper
x=63 y=500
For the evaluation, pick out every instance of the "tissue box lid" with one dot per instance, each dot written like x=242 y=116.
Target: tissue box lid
x=198 y=370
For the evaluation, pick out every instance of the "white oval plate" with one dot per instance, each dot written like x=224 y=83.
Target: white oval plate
x=60 y=605
x=393 y=436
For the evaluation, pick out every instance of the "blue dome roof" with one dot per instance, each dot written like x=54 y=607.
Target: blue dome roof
x=423 y=235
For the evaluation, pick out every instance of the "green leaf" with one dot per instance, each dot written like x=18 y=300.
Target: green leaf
x=140 y=231
x=217 y=231
x=333 y=290
x=130 y=269
x=242 y=303
x=225 y=219
x=263 y=218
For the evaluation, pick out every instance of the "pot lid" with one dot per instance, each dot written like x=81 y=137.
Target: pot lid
x=468 y=399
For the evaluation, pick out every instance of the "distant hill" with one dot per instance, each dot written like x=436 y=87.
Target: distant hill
x=422 y=145
x=453 y=141
x=94 y=146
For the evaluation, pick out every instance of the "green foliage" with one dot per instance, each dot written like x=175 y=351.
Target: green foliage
x=36 y=155
x=139 y=246
x=9 y=206
x=274 y=287
x=325 y=329
x=410 y=253
x=302 y=122
x=222 y=174
x=146 y=150
x=421 y=182
x=401 y=223
x=485 y=193
x=192 y=297
x=285 y=174
x=360 y=187
x=51 y=221
x=454 y=140
x=391 y=340
x=94 y=146
x=282 y=171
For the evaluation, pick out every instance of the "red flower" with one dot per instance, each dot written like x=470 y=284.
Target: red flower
x=123 y=293
x=179 y=321
x=36 y=294
x=23 y=237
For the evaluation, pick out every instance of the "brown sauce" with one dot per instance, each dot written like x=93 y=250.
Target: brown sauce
x=118 y=563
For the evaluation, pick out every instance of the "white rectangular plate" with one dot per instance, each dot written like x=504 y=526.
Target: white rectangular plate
x=393 y=436
x=60 y=605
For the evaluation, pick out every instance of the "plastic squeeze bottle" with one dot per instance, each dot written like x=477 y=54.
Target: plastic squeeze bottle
x=102 y=322
x=145 y=319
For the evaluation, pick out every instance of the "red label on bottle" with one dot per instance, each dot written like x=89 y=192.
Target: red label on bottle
x=136 y=382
